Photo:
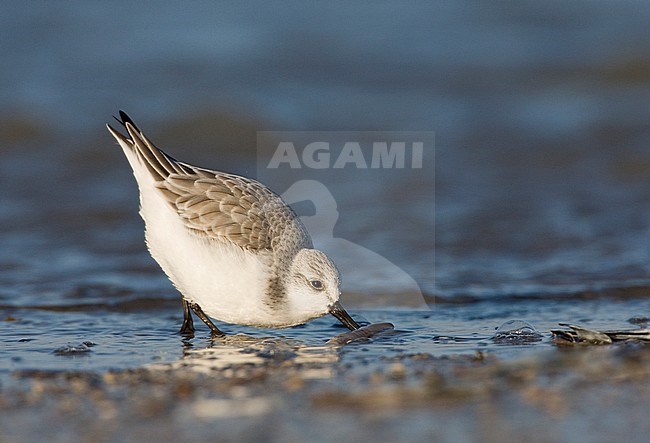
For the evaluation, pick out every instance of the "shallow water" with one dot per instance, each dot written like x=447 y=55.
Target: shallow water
x=423 y=379
x=37 y=338
x=534 y=207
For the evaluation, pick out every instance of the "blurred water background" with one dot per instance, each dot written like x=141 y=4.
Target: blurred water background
x=540 y=176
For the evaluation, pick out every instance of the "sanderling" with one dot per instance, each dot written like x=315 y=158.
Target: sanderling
x=230 y=245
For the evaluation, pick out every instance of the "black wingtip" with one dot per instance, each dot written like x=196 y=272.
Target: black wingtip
x=124 y=119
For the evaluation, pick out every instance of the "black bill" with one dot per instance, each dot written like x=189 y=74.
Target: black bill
x=337 y=311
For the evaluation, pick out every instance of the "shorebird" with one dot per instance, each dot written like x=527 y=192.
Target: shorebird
x=234 y=250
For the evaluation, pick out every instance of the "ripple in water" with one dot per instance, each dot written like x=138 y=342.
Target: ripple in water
x=516 y=332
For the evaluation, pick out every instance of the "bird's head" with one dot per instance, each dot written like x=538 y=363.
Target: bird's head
x=314 y=286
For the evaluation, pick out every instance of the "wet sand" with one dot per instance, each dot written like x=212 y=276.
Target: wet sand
x=246 y=389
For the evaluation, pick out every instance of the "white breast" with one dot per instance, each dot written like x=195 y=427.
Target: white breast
x=228 y=283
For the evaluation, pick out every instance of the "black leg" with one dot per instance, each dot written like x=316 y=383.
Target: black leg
x=188 y=324
x=199 y=313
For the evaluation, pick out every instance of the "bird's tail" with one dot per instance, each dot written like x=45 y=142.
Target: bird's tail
x=138 y=148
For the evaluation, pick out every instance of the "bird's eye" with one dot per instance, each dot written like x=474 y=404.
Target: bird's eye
x=316 y=284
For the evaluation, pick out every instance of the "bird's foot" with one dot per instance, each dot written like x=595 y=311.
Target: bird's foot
x=187 y=328
x=199 y=313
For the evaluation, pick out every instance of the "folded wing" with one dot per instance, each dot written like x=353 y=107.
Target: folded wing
x=218 y=205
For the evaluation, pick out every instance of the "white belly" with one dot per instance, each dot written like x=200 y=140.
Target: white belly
x=228 y=283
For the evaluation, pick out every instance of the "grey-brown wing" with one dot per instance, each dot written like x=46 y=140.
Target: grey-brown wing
x=234 y=209
x=218 y=205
